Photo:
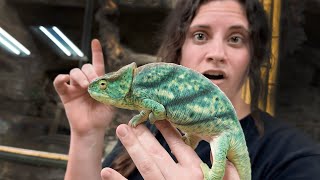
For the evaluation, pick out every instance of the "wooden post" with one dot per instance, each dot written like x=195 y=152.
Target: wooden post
x=272 y=81
x=273 y=9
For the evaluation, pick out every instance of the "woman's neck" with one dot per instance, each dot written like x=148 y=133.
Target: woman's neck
x=242 y=108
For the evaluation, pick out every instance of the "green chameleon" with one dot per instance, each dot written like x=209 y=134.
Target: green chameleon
x=186 y=98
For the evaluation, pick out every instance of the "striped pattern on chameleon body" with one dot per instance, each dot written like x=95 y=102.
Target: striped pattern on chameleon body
x=190 y=99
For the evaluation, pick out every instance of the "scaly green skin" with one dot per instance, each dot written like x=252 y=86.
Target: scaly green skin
x=188 y=100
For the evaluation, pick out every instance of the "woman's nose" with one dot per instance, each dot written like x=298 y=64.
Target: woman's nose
x=216 y=52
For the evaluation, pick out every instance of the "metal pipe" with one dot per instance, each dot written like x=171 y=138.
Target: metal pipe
x=86 y=33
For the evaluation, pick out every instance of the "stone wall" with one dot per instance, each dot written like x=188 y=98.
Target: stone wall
x=298 y=87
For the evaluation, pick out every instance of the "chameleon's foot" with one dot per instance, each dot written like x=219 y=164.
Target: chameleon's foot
x=186 y=140
x=138 y=119
x=191 y=140
x=133 y=123
x=152 y=119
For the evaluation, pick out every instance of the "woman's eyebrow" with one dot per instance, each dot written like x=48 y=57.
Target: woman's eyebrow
x=239 y=27
x=200 y=26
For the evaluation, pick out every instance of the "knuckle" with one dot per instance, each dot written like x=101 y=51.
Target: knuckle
x=57 y=79
x=73 y=71
x=145 y=167
x=140 y=131
x=177 y=143
x=156 y=152
x=198 y=174
x=86 y=66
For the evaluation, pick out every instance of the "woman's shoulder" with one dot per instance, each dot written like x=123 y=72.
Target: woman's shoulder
x=264 y=127
x=269 y=132
x=280 y=149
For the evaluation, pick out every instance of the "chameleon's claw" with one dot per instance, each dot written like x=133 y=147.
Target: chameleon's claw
x=186 y=140
x=139 y=118
x=132 y=123
x=191 y=140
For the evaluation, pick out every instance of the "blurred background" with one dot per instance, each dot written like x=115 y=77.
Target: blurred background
x=42 y=38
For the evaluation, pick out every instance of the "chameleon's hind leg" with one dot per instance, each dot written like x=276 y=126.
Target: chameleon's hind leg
x=239 y=156
x=139 y=118
x=191 y=140
x=219 y=148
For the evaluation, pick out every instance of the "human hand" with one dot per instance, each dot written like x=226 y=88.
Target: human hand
x=85 y=114
x=154 y=162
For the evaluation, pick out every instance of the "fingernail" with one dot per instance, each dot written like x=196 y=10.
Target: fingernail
x=122 y=131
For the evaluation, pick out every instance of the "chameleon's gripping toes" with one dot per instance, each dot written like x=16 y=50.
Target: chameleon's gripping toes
x=186 y=98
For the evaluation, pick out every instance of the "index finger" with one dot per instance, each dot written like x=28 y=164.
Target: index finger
x=178 y=147
x=97 y=57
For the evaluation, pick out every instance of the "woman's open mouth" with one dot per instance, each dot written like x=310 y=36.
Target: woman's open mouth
x=216 y=76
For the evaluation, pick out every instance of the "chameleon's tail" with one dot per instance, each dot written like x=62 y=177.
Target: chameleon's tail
x=233 y=146
x=219 y=148
x=239 y=156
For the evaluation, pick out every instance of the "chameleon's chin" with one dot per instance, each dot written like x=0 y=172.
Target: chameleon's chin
x=94 y=95
x=98 y=97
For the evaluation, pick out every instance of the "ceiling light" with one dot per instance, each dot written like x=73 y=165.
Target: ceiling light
x=10 y=43
x=55 y=40
x=74 y=47
x=9 y=46
x=62 y=44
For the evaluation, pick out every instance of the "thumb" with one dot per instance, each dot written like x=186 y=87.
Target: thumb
x=108 y=173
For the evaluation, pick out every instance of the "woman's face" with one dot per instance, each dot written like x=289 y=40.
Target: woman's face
x=217 y=45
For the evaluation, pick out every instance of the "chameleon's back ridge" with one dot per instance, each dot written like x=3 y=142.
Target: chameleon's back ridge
x=187 y=99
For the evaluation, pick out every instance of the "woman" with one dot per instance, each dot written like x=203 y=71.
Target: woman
x=228 y=42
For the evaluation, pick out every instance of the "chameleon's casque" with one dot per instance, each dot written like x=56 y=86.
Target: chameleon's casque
x=187 y=99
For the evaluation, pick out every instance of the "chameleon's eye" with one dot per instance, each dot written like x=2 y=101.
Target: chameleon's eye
x=103 y=84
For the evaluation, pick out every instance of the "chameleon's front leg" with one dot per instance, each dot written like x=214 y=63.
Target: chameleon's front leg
x=139 y=118
x=153 y=109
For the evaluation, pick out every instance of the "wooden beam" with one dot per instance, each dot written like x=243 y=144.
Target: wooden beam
x=33 y=156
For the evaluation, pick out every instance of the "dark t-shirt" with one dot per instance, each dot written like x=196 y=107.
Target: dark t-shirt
x=282 y=152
